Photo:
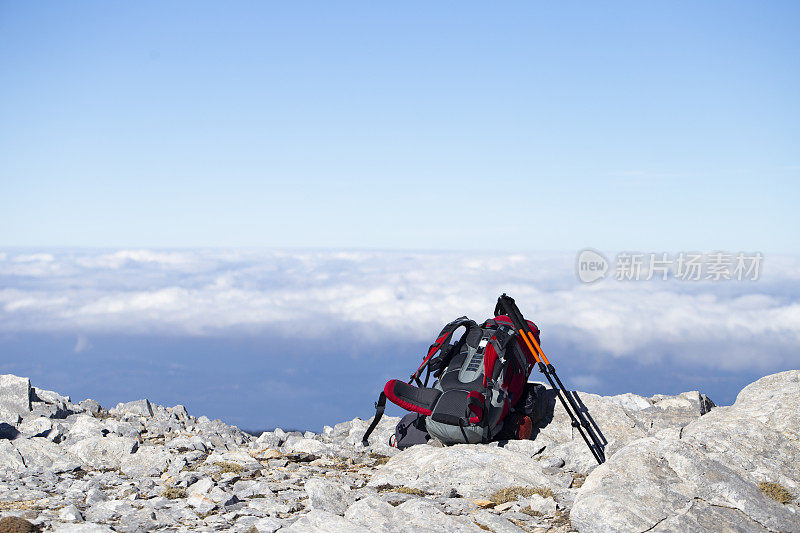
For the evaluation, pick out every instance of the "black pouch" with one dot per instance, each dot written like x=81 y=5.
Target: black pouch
x=533 y=402
x=410 y=431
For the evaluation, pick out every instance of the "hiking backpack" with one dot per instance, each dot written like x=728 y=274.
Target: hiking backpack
x=478 y=380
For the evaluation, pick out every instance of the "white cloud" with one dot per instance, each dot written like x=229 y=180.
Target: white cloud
x=33 y=258
x=397 y=295
x=82 y=344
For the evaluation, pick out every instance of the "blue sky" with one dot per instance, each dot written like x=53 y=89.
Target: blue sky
x=618 y=125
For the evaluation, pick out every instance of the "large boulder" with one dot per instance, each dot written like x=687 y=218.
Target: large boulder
x=709 y=475
x=10 y=459
x=136 y=408
x=41 y=452
x=325 y=495
x=474 y=471
x=323 y=521
x=618 y=420
x=103 y=452
x=147 y=461
x=15 y=398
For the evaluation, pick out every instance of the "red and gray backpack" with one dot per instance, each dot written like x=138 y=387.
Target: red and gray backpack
x=478 y=381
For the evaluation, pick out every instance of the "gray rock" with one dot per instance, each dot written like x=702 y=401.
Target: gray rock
x=495 y=523
x=106 y=511
x=267 y=525
x=147 y=461
x=325 y=495
x=271 y=506
x=187 y=443
x=48 y=396
x=70 y=513
x=179 y=412
x=351 y=433
x=123 y=429
x=41 y=452
x=707 y=476
x=90 y=406
x=269 y=439
x=34 y=425
x=86 y=426
x=318 y=520
x=83 y=528
x=95 y=495
x=476 y=470
x=238 y=457
x=15 y=398
x=137 y=408
x=303 y=445
x=372 y=512
x=248 y=488
x=10 y=458
x=421 y=515
x=103 y=452
x=199 y=490
x=621 y=419
x=205 y=496
x=546 y=506
x=552 y=461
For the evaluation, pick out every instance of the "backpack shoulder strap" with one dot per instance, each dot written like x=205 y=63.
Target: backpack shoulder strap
x=442 y=340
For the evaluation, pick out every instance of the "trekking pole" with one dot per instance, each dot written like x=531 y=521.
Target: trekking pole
x=507 y=306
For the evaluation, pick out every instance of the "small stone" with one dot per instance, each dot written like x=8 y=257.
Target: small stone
x=137 y=408
x=70 y=513
x=484 y=504
x=504 y=506
x=325 y=495
x=90 y=406
x=545 y=506
x=551 y=462
x=94 y=496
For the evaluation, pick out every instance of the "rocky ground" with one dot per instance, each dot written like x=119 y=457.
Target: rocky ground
x=675 y=463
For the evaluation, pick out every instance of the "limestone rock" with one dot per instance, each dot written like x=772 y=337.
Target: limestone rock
x=41 y=452
x=83 y=528
x=372 y=512
x=10 y=458
x=322 y=521
x=103 y=452
x=540 y=504
x=304 y=445
x=90 y=406
x=187 y=443
x=707 y=476
x=477 y=471
x=325 y=495
x=86 y=426
x=147 y=461
x=70 y=513
x=269 y=439
x=137 y=408
x=34 y=425
x=15 y=398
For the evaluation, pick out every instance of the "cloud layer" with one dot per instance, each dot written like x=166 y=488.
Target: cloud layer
x=385 y=296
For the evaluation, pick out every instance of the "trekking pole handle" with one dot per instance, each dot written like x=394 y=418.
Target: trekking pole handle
x=506 y=305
